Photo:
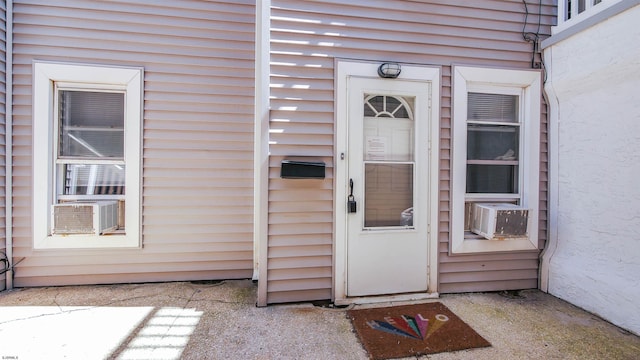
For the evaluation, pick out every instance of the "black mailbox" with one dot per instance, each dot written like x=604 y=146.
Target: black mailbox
x=293 y=169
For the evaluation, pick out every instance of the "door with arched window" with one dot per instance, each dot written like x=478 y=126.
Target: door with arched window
x=388 y=177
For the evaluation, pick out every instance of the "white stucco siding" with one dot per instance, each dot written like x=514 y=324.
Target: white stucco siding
x=595 y=76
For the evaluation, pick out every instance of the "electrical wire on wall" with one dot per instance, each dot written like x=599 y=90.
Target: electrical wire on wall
x=534 y=37
x=537 y=61
x=4 y=263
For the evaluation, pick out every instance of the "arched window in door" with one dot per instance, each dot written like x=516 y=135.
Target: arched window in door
x=387 y=106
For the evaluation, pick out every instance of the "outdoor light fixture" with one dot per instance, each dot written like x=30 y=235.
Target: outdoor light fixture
x=389 y=70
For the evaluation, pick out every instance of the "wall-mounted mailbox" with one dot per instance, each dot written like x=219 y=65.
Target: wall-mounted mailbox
x=293 y=169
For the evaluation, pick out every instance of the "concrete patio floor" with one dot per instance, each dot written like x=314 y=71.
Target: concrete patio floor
x=209 y=320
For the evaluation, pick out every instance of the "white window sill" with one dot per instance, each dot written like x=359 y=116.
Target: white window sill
x=53 y=242
x=474 y=245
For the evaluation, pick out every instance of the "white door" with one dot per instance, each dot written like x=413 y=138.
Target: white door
x=388 y=177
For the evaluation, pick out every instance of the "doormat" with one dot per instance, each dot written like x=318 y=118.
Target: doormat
x=412 y=330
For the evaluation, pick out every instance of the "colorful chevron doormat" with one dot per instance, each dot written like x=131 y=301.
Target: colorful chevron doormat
x=412 y=330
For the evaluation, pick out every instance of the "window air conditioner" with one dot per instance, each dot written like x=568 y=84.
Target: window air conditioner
x=84 y=217
x=499 y=221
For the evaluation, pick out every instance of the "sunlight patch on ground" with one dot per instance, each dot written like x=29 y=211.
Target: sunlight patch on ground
x=85 y=332
x=164 y=336
x=51 y=332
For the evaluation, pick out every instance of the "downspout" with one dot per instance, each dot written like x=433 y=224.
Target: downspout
x=261 y=150
x=9 y=143
x=553 y=151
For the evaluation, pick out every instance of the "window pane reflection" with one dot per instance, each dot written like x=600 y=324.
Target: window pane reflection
x=83 y=179
x=490 y=179
x=492 y=142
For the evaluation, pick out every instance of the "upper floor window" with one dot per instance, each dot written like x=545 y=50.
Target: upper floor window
x=87 y=141
x=571 y=12
x=495 y=155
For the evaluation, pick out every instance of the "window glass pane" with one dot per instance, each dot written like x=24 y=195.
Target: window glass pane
x=492 y=107
x=492 y=179
x=368 y=111
x=83 y=179
x=374 y=106
x=490 y=142
x=396 y=108
x=388 y=195
x=91 y=124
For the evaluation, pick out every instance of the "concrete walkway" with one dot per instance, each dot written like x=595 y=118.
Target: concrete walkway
x=210 y=320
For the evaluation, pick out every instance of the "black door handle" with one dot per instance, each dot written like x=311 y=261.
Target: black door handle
x=351 y=201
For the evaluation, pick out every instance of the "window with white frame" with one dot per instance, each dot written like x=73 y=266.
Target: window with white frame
x=571 y=12
x=495 y=159
x=87 y=139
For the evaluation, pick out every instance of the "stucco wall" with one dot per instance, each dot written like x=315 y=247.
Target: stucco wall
x=594 y=76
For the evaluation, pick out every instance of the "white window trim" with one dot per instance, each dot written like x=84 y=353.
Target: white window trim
x=595 y=15
x=528 y=82
x=129 y=79
x=590 y=11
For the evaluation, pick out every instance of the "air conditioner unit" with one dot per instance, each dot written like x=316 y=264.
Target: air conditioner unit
x=498 y=221
x=84 y=217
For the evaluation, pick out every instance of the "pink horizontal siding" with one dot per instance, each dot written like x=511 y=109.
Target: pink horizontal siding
x=198 y=58
x=306 y=37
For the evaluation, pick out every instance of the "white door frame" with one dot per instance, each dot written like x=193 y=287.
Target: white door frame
x=431 y=75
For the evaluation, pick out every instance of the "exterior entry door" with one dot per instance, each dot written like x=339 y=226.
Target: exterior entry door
x=387 y=178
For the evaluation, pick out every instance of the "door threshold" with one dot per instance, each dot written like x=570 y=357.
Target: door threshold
x=387 y=298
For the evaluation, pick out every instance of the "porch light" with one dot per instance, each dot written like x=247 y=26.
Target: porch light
x=389 y=70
